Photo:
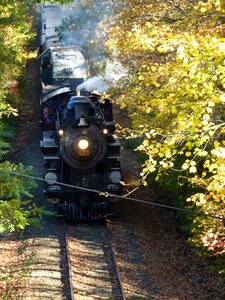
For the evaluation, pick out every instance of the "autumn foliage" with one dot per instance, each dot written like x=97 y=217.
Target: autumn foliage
x=16 y=34
x=174 y=53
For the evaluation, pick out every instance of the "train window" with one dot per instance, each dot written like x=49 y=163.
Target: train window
x=50 y=117
x=46 y=62
x=46 y=70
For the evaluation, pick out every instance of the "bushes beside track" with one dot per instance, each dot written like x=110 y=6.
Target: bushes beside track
x=16 y=36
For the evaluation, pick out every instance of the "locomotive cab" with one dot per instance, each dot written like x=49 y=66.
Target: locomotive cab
x=63 y=66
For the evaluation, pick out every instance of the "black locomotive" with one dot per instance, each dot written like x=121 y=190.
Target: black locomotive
x=78 y=144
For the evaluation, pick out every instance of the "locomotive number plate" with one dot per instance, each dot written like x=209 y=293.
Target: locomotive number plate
x=84 y=152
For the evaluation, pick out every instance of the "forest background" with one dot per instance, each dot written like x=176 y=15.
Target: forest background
x=174 y=91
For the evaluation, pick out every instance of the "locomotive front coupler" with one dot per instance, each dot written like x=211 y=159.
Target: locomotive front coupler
x=84 y=201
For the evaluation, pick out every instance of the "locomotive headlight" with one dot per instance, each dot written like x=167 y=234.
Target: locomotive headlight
x=83 y=144
x=105 y=131
x=61 y=132
x=51 y=178
x=115 y=176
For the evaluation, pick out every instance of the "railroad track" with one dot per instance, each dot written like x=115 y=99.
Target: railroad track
x=92 y=263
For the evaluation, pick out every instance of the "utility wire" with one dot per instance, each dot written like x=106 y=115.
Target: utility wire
x=106 y=194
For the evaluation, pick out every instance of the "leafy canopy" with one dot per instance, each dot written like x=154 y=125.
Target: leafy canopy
x=16 y=34
x=175 y=92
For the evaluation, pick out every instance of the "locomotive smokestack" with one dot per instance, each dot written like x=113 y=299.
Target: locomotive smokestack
x=79 y=107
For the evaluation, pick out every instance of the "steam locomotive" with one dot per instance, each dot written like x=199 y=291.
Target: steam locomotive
x=80 y=151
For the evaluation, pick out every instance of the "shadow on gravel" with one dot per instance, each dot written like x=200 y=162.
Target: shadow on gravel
x=47 y=277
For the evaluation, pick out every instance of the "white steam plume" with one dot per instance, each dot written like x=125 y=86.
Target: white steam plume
x=100 y=84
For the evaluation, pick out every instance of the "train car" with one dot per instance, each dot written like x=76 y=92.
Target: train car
x=81 y=154
x=61 y=65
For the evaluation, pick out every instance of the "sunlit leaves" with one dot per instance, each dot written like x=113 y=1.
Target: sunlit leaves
x=15 y=37
x=15 y=212
x=16 y=34
x=174 y=54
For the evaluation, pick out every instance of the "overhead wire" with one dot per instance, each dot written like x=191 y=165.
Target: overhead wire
x=107 y=194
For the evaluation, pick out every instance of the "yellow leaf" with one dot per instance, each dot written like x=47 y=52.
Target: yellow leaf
x=216 y=144
x=185 y=166
x=222 y=46
x=192 y=169
x=222 y=97
x=211 y=103
x=209 y=110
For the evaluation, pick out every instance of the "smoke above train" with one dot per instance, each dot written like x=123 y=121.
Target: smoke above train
x=79 y=26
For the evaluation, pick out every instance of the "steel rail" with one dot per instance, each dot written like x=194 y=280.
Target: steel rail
x=112 y=260
x=69 y=269
x=120 y=283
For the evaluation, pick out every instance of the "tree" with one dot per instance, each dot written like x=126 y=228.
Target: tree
x=15 y=212
x=175 y=91
x=16 y=34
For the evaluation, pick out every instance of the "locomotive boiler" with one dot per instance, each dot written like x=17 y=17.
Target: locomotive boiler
x=81 y=154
